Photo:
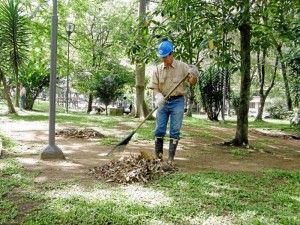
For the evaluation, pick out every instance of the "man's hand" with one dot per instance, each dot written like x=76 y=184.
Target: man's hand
x=192 y=79
x=159 y=100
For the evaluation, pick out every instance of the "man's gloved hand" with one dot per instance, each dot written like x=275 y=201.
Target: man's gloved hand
x=193 y=75
x=159 y=100
x=193 y=71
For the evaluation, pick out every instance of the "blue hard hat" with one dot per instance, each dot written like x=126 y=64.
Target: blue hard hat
x=164 y=49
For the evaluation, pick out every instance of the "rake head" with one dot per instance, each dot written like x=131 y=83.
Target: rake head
x=120 y=147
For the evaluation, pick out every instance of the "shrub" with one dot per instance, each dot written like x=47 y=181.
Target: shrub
x=279 y=112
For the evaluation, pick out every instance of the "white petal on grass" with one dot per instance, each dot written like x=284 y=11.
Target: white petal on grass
x=135 y=194
x=146 y=197
x=249 y=215
x=219 y=185
x=4 y=165
x=206 y=219
x=156 y=222
x=76 y=192
x=296 y=198
x=213 y=194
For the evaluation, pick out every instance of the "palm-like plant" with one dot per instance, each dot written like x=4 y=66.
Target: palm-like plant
x=3 y=81
x=14 y=35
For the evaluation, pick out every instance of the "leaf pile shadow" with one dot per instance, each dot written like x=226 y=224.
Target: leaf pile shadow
x=132 y=169
x=85 y=133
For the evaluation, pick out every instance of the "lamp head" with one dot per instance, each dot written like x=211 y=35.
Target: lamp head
x=70 y=28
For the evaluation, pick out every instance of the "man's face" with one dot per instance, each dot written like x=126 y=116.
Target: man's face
x=168 y=59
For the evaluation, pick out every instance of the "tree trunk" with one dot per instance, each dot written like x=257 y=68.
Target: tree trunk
x=190 y=102
x=90 y=102
x=261 y=74
x=224 y=77
x=262 y=101
x=241 y=135
x=10 y=105
x=16 y=70
x=106 y=110
x=225 y=89
x=261 y=77
x=285 y=79
x=141 y=109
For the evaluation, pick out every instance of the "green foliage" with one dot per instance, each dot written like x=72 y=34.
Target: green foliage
x=7 y=144
x=279 y=112
x=14 y=31
x=293 y=60
x=98 y=40
x=234 y=100
x=35 y=76
x=108 y=88
x=14 y=34
x=211 y=91
x=109 y=84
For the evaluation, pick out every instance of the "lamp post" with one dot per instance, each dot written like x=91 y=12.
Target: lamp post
x=51 y=151
x=69 y=28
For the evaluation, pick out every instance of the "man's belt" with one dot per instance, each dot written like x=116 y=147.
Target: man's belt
x=170 y=98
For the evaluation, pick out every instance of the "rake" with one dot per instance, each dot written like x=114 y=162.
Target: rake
x=122 y=144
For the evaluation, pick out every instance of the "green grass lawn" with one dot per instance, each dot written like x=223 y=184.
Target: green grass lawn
x=210 y=197
x=266 y=197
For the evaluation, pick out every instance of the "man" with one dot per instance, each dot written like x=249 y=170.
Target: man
x=125 y=107
x=124 y=104
x=165 y=77
x=22 y=95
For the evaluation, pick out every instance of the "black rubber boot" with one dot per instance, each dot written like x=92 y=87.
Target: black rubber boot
x=172 y=150
x=159 y=143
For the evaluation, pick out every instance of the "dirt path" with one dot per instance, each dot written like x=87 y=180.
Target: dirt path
x=194 y=154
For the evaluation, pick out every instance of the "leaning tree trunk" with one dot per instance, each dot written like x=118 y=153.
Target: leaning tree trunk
x=241 y=135
x=262 y=74
x=11 y=108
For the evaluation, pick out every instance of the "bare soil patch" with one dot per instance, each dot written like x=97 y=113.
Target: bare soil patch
x=195 y=154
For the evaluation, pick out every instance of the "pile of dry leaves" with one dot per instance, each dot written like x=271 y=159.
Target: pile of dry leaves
x=85 y=133
x=133 y=169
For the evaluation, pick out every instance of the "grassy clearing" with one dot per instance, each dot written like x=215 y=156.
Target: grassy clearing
x=261 y=197
x=268 y=124
x=267 y=197
x=102 y=121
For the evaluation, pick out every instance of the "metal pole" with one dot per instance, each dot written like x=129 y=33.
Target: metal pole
x=67 y=94
x=51 y=151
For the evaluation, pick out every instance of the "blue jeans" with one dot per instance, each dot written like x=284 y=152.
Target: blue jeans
x=175 y=110
x=23 y=98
